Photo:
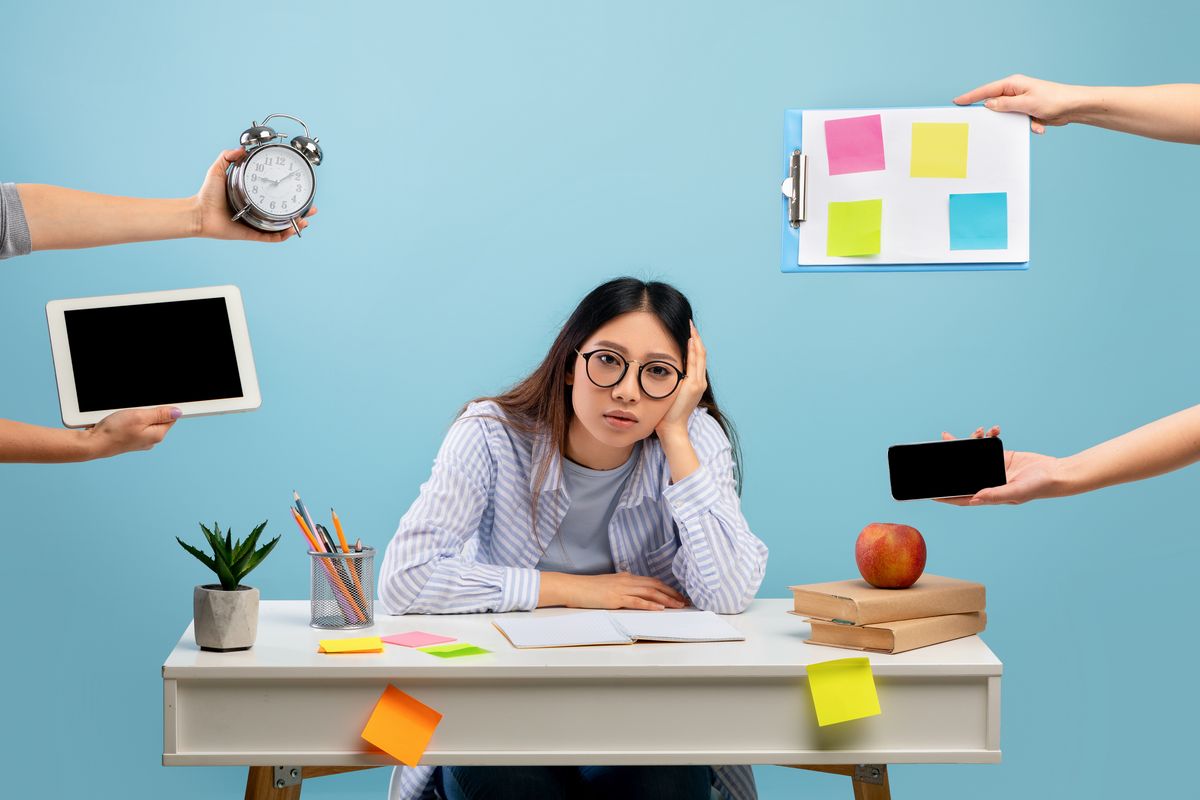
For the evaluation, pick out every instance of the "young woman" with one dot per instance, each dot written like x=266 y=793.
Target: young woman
x=605 y=479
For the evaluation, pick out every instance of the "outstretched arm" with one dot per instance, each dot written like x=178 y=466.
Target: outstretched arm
x=1169 y=111
x=1159 y=447
x=121 y=432
x=60 y=218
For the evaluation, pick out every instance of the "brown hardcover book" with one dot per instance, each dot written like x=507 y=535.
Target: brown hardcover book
x=860 y=603
x=898 y=636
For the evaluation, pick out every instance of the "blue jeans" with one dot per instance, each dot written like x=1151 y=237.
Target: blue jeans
x=598 y=783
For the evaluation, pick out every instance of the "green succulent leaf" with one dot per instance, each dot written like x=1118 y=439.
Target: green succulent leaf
x=246 y=547
x=257 y=557
x=215 y=543
x=204 y=559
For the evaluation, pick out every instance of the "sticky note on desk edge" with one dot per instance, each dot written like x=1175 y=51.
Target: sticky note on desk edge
x=854 y=144
x=416 y=639
x=842 y=690
x=365 y=644
x=401 y=726
x=939 y=150
x=453 y=650
x=854 y=228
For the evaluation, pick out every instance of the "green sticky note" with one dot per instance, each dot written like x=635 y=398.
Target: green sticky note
x=843 y=690
x=939 y=150
x=854 y=228
x=453 y=650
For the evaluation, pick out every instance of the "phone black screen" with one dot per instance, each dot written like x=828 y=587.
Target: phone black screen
x=152 y=354
x=945 y=469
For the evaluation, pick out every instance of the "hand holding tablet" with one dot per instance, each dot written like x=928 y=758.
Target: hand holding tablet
x=129 y=430
x=188 y=348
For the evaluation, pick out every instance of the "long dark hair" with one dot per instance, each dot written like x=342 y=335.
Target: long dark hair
x=540 y=404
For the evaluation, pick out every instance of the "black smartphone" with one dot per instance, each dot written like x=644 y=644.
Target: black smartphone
x=955 y=468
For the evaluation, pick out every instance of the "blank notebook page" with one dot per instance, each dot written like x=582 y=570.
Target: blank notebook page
x=562 y=630
x=676 y=626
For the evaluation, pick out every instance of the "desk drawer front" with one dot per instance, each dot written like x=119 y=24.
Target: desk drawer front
x=563 y=721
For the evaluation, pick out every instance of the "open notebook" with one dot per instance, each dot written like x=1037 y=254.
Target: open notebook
x=616 y=627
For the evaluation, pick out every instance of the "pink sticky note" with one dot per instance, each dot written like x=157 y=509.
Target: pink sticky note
x=416 y=639
x=854 y=144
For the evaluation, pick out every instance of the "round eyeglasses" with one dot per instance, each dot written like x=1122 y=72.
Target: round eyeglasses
x=606 y=369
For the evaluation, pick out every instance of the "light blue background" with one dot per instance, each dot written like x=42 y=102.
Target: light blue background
x=489 y=163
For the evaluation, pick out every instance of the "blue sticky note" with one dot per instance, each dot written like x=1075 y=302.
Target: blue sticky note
x=979 y=221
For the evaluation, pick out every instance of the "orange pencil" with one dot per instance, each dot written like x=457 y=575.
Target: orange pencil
x=337 y=524
x=304 y=529
x=333 y=576
x=354 y=570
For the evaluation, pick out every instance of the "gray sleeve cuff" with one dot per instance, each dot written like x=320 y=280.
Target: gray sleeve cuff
x=14 y=231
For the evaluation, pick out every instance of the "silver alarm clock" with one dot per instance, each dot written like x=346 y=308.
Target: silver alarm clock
x=275 y=184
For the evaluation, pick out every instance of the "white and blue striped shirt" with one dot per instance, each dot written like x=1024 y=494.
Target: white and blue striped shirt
x=466 y=545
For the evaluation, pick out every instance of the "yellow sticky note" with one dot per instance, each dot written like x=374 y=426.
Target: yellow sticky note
x=854 y=228
x=366 y=644
x=401 y=726
x=843 y=690
x=939 y=150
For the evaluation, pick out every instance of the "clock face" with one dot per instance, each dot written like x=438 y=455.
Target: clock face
x=278 y=180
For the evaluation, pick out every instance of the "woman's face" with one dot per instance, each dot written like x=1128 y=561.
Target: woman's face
x=621 y=415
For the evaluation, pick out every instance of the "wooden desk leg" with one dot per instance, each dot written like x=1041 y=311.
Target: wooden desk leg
x=870 y=781
x=260 y=781
x=260 y=785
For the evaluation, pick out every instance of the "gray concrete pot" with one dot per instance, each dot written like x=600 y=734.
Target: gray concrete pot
x=225 y=620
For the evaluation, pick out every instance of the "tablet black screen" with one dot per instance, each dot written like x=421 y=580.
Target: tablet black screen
x=152 y=354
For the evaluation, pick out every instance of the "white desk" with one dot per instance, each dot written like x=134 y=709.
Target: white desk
x=282 y=703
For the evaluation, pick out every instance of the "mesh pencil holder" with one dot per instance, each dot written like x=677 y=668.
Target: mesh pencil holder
x=342 y=589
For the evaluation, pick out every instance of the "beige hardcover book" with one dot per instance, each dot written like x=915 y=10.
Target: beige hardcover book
x=898 y=636
x=860 y=603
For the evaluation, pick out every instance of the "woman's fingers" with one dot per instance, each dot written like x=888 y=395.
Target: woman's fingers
x=655 y=583
x=978 y=433
x=994 y=89
x=953 y=501
x=633 y=601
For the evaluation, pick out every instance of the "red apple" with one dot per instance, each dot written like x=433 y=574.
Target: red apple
x=890 y=556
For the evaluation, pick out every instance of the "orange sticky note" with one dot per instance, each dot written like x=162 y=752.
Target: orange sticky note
x=401 y=726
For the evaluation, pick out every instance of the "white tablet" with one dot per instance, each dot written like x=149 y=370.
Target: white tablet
x=188 y=348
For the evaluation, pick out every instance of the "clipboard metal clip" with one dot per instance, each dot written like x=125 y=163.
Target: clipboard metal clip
x=795 y=186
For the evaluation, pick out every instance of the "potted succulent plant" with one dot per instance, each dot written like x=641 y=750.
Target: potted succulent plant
x=226 y=613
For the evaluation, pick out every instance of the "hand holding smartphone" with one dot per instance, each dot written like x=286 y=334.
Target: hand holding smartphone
x=954 y=468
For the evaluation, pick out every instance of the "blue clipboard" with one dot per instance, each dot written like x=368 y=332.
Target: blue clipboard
x=793 y=119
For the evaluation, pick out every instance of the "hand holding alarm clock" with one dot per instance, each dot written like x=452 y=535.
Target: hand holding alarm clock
x=273 y=187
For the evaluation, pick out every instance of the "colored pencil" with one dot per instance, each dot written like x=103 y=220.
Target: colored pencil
x=337 y=525
x=303 y=511
x=357 y=564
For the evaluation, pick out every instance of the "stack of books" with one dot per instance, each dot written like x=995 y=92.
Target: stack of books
x=857 y=615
